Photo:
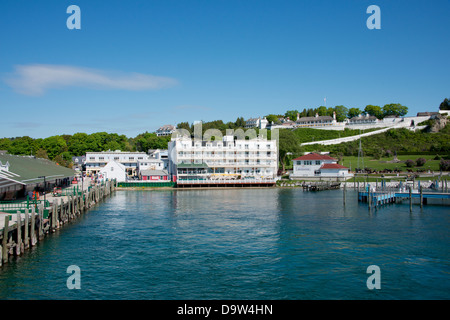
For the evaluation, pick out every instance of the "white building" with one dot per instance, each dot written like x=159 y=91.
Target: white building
x=363 y=119
x=228 y=158
x=256 y=123
x=318 y=165
x=113 y=170
x=95 y=161
x=165 y=130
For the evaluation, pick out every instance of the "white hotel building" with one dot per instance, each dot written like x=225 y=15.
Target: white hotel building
x=95 y=161
x=226 y=159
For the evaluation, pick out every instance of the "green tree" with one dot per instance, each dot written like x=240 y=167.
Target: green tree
x=353 y=112
x=239 y=123
x=375 y=111
x=394 y=109
x=445 y=105
x=272 y=118
x=288 y=143
x=341 y=113
x=54 y=145
x=292 y=114
x=184 y=125
x=41 y=153
x=322 y=111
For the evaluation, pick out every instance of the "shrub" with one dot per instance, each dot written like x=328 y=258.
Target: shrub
x=444 y=165
x=410 y=163
x=420 y=162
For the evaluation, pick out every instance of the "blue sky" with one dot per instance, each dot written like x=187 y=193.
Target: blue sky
x=137 y=65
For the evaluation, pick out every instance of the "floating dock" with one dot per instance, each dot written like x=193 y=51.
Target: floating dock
x=376 y=198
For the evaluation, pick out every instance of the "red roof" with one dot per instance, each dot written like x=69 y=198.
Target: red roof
x=332 y=166
x=315 y=156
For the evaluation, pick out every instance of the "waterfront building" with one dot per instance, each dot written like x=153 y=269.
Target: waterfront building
x=318 y=165
x=225 y=159
x=113 y=170
x=154 y=175
x=165 y=130
x=97 y=160
x=21 y=175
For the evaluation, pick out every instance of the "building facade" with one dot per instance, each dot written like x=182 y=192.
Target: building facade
x=95 y=161
x=226 y=159
x=165 y=130
x=318 y=165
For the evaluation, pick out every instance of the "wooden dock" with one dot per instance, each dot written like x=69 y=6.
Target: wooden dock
x=24 y=229
x=320 y=185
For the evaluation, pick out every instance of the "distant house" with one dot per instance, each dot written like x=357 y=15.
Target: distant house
x=256 y=123
x=363 y=119
x=78 y=162
x=317 y=121
x=165 y=130
x=318 y=165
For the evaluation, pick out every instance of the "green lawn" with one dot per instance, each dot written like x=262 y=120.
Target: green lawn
x=369 y=162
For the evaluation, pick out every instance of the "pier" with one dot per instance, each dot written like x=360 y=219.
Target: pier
x=377 y=197
x=320 y=185
x=24 y=224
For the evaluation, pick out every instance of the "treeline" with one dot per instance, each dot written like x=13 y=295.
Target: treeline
x=61 y=148
x=342 y=112
x=216 y=124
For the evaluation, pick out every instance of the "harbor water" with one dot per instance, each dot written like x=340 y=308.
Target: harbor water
x=269 y=244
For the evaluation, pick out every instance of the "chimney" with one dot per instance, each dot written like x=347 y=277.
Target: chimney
x=317 y=115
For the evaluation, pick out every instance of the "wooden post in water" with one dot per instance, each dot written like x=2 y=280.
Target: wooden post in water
x=26 y=240
x=410 y=199
x=345 y=190
x=41 y=222
x=5 y=240
x=32 y=227
x=421 y=197
x=19 y=234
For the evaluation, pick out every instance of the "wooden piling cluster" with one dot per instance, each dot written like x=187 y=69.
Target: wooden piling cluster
x=32 y=226
x=320 y=185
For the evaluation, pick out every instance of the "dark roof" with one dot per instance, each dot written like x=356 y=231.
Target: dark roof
x=315 y=156
x=192 y=165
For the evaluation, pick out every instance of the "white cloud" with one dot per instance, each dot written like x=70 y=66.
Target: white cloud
x=36 y=79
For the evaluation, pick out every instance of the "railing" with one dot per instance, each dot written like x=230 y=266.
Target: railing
x=145 y=184
x=14 y=206
x=225 y=181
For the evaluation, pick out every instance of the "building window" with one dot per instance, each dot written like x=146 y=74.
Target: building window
x=307 y=163
x=318 y=162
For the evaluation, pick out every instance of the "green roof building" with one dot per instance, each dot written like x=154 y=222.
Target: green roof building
x=21 y=174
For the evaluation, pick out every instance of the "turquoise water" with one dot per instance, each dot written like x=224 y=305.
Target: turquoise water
x=239 y=244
